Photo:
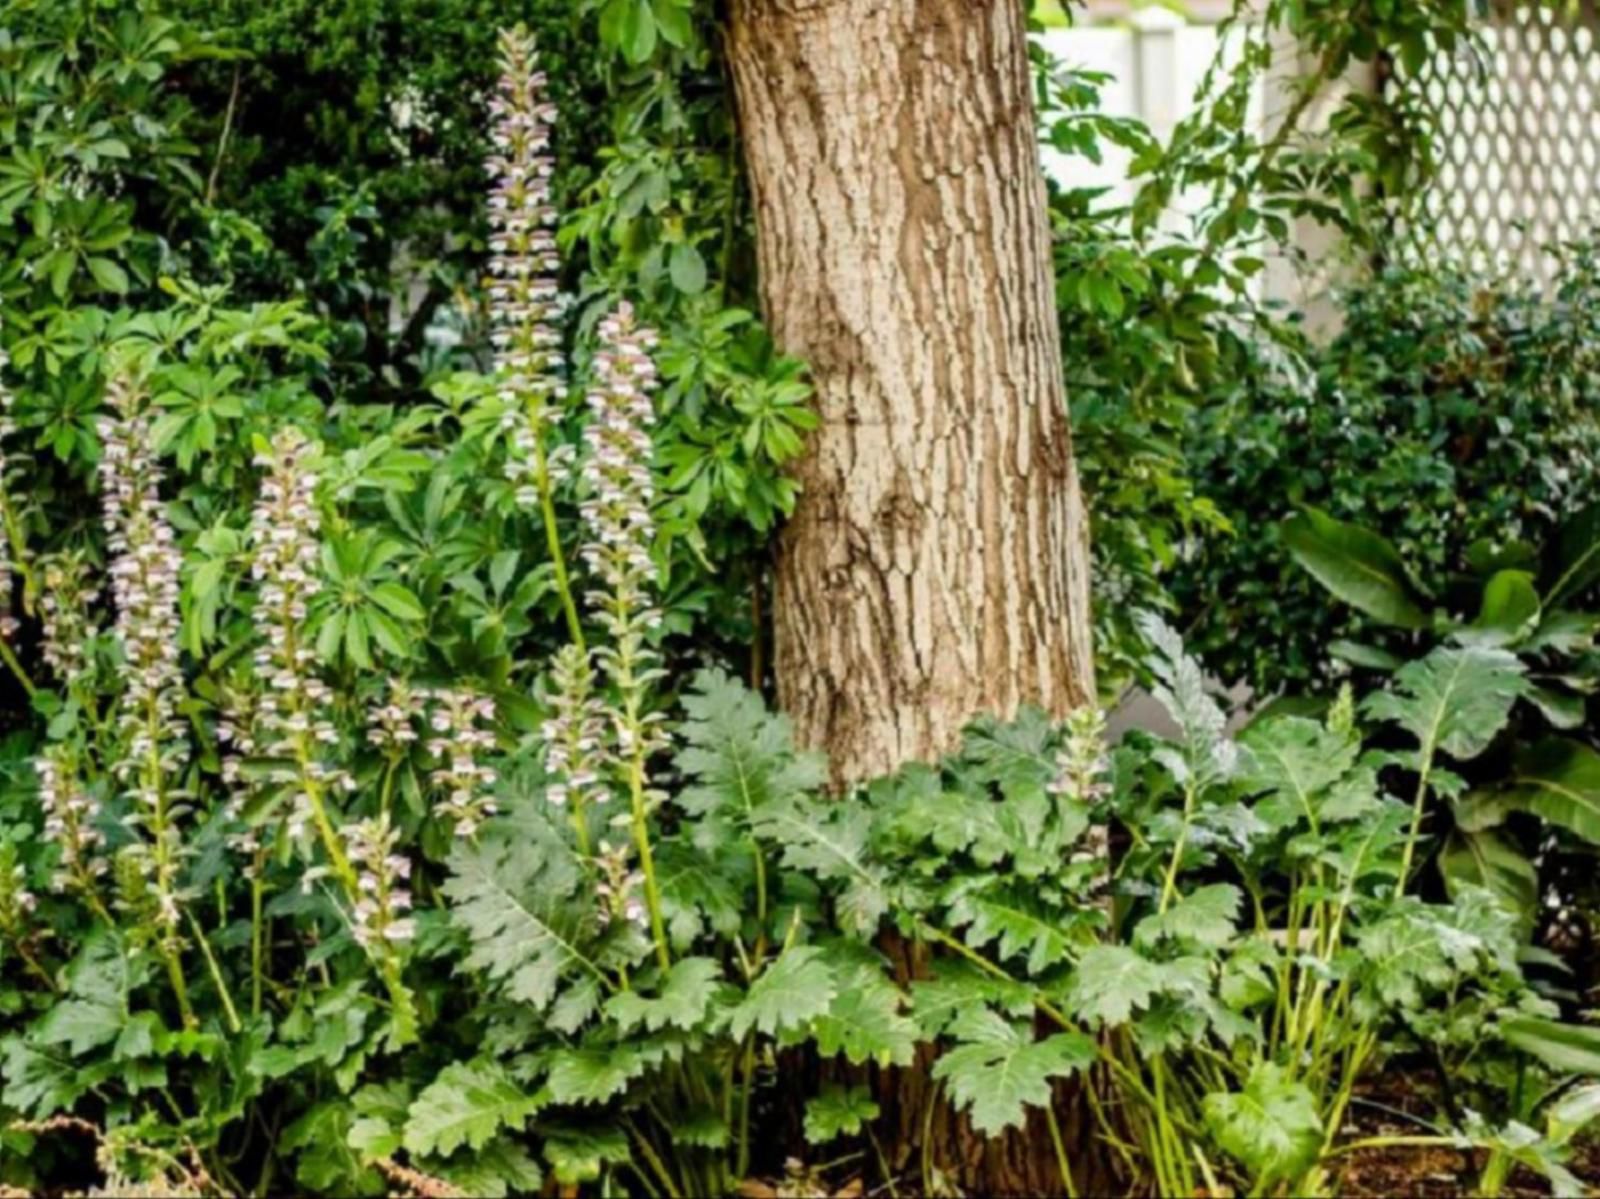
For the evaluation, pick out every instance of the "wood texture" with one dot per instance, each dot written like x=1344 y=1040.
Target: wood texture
x=937 y=565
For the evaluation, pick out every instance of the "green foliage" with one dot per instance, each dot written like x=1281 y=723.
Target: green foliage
x=1432 y=418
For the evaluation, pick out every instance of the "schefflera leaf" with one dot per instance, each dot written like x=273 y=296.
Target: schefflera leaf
x=997 y=1070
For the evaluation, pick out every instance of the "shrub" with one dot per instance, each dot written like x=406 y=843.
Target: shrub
x=1458 y=417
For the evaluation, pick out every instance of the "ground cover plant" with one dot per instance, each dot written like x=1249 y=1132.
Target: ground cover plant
x=391 y=800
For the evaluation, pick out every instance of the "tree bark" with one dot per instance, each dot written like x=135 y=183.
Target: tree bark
x=937 y=563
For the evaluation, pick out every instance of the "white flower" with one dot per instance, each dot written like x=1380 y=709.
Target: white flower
x=525 y=300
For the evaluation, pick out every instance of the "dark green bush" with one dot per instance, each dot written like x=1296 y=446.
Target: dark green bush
x=1453 y=414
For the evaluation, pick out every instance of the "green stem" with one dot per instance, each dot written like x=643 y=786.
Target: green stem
x=1061 y=1151
x=10 y=659
x=1170 y=887
x=216 y=973
x=257 y=935
x=641 y=840
x=552 y=537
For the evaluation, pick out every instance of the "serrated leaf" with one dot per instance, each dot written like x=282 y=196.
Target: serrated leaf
x=680 y=1002
x=593 y=1074
x=999 y=1070
x=1111 y=982
x=1455 y=699
x=577 y=1153
x=1205 y=918
x=1296 y=760
x=500 y=1168
x=1271 y=1127
x=795 y=989
x=839 y=1111
x=508 y=895
x=467 y=1104
x=864 y=1023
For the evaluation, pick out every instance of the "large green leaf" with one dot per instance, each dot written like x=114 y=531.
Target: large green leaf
x=998 y=1070
x=680 y=1002
x=466 y=1105
x=794 y=989
x=1509 y=609
x=1456 y=699
x=1572 y=1048
x=1357 y=565
x=1576 y=567
x=1559 y=780
x=1487 y=859
x=1271 y=1127
x=1111 y=981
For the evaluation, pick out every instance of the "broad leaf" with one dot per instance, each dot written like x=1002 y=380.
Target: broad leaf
x=1205 y=918
x=1271 y=1127
x=1570 y=1048
x=1487 y=859
x=681 y=1001
x=1455 y=699
x=1358 y=566
x=795 y=989
x=1559 y=780
x=838 y=1111
x=466 y=1105
x=998 y=1070
x=1111 y=983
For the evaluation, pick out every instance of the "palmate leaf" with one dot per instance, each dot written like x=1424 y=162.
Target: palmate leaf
x=467 y=1104
x=1271 y=1127
x=838 y=1111
x=681 y=1000
x=1455 y=699
x=998 y=1070
x=796 y=988
x=960 y=987
x=1111 y=982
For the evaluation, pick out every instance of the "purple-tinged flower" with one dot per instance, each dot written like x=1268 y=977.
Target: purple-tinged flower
x=524 y=296
x=456 y=743
x=70 y=816
x=574 y=735
x=65 y=625
x=379 y=919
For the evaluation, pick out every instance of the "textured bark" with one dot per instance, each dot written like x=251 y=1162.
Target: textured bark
x=937 y=565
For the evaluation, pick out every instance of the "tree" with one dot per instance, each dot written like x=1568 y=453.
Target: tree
x=937 y=564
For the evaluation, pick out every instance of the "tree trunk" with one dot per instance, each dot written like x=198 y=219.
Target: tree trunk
x=937 y=565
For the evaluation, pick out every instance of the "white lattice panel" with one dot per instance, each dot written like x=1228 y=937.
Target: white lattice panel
x=1518 y=141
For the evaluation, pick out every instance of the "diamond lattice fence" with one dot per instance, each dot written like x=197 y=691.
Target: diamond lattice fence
x=1518 y=138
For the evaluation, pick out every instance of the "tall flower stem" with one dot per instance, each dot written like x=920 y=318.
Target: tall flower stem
x=558 y=558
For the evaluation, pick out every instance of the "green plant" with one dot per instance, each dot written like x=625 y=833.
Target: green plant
x=1433 y=418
